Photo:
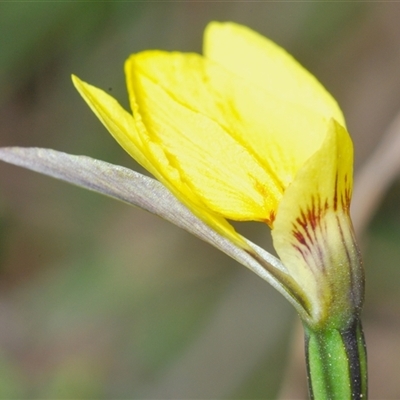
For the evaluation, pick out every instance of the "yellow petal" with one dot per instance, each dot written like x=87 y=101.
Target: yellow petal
x=312 y=232
x=123 y=128
x=118 y=121
x=262 y=62
x=208 y=162
x=236 y=145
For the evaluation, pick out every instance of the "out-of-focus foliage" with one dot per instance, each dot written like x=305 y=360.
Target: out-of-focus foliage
x=99 y=300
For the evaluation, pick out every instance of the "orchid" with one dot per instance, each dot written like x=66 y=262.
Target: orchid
x=244 y=133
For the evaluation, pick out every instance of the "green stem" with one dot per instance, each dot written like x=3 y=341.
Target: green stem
x=336 y=363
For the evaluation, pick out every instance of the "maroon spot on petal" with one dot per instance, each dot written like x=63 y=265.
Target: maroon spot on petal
x=301 y=251
x=347 y=194
x=270 y=220
x=272 y=216
x=308 y=223
x=335 y=194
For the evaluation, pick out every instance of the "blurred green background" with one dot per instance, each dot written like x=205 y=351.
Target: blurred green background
x=101 y=300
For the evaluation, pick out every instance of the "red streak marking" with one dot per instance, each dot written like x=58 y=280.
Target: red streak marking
x=335 y=195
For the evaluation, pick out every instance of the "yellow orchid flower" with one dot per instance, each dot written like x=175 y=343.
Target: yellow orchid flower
x=242 y=133
x=245 y=133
